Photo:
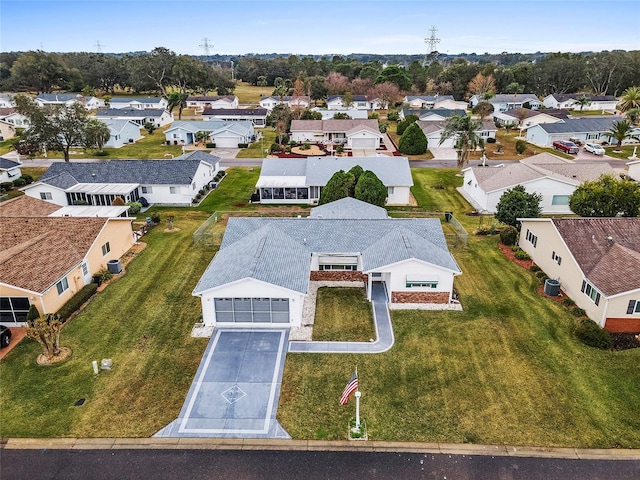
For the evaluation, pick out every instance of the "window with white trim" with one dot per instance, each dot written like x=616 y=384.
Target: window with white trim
x=633 y=307
x=389 y=190
x=338 y=267
x=560 y=200
x=106 y=248
x=591 y=292
x=174 y=190
x=421 y=283
x=147 y=189
x=62 y=286
x=556 y=258
x=46 y=196
x=531 y=238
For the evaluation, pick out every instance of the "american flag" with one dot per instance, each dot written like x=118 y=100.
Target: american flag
x=351 y=387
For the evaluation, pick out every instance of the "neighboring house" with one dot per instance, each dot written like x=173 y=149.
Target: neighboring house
x=529 y=117
x=212 y=101
x=429 y=102
x=223 y=133
x=360 y=102
x=12 y=116
x=432 y=114
x=9 y=170
x=7 y=130
x=567 y=101
x=582 y=129
x=596 y=261
x=261 y=275
x=68 y=99
x=300 y=180
x=157 y=117
x=123 y=132
x=26 y=206
x=257 y=116
x=508 y=101
x=292 y=102
x=7 y=100
x=47 y=260
x=548 y=175
x=165 y=182
x=139 y=103
x=634 y=170
x=351 y=133
x=353 y=114
x=433 y=131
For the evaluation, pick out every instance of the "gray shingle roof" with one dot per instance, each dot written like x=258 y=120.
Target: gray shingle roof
x=59 y=97
x=135 y=99
x=254 y=112
x=200 y=125
x=278 y=250
x=116 y=125
x=348 y=208
x=579 y=125
x=200 y=156
x=6 y=164
x=443 y=112
x=510 y=97
x=149 y=172
x=430 y=98
x=561 y=97
x=130 y=112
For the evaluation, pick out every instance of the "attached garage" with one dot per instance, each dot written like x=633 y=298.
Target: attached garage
x=252 y=310
x=226 y=141
x=364 y=143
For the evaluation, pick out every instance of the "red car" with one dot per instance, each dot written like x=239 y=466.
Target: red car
x=566 y=147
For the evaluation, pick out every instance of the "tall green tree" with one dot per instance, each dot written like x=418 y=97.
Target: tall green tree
x=97 y=134
x=337 y=187
x=39 y=71
x=397 y=75
x=518 y=203
x=465 y=131
x=621 y=130
x=413 y=141
x=606 y=197
x=583 y=101
x=369 y=188
x=177 y=99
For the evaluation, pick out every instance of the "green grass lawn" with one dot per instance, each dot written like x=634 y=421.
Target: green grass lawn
x=6 y=146
x=343 y=314
x=627 y=151
x=250 y=94
x=256 y=149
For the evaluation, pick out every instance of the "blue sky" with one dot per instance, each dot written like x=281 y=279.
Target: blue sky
x=327 y=27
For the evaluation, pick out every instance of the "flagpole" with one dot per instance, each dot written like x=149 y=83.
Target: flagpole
x=358 y=394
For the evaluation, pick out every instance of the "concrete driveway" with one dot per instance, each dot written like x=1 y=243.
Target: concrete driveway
x=236 y=389
x=441 y=153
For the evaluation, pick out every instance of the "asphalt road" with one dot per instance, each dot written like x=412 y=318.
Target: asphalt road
x=284 y=465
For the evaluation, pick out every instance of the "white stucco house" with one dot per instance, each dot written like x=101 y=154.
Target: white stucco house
x=157 y=117
x=123 y=132
x=524 y=117
x=165 y=182
x=9 y=170
x=299 y=101
x=359 y=133
x=7 y=100
x=360 y=102
x=68 y=99
x=11 y=115
x=7 y=130
x=221 y=132
x=548 y=175
x=427 y=102
x=262 y=272
x=300 y=180
x=634 y=170
x=607 y=103
x=139 y=103
x=583 y=129
x=433 y=129
x=596 y=261
x=508 y=101
x=200 y=102
x=432 y=114
x=353 y=114
x=257 y=116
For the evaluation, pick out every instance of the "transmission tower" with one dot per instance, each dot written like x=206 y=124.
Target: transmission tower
x=98 y=46
x=433 y=41
x=206 y=47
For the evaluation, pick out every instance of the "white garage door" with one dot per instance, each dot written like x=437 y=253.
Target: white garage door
x=252 y=310
x=226 y=142
x=363 y=143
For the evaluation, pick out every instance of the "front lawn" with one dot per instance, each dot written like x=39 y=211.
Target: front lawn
x=257 y=149
x=343 y=314
x=627 y=151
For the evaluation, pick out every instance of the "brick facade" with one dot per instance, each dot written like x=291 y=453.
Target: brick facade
x=628 y=324
x=420 y=297
x=337 y=276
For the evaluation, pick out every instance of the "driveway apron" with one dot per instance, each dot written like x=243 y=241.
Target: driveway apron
x=236 y=389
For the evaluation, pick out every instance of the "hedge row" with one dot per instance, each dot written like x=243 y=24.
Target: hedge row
x=77 y=301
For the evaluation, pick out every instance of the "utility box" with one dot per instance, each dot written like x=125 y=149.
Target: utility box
x=106 y=364
x=114 y=266
x=551 y=287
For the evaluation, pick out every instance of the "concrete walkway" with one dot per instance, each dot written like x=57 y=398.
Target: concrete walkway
x=236 y=389
x=384 y=332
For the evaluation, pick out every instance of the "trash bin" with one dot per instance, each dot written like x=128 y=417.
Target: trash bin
x=448 y=216
x=551 y=287
x=97 y=279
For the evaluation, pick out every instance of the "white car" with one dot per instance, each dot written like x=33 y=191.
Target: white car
x=594 y=148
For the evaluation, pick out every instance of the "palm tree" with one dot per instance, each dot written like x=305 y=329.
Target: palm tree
x=177 y=99
x=630 y=99
x=633 y=116
x=464 y=129
x=583 y=101
x=621 y=130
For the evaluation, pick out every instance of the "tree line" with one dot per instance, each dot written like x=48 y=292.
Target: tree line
x=161 y=71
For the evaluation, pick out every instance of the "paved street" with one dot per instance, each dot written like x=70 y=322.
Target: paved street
x=260 y=464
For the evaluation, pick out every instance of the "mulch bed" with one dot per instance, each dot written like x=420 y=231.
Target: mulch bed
x=510 y=254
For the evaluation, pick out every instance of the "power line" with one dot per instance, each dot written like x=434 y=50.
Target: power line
x=432 y=41
x=98 y=46
x=206 y=46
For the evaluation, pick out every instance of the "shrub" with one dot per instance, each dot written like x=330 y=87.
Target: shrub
x=589 y=333
x=305 y=146
x=413 y=141
x=339 y=149
x=243 y=145
x=293 y=143
x=404 y=124
x=515 y=248
x=578 y=312
x=201 y=191
x=274 y=148
x=134 y=207
x=393 y=116
x=535 y=268
x=287 y=149
x=509 y=235
x=19 y=182
x=118 y=201
x=105 y=275
x=491 y=140
x=567 y=302
x=522 y=255
x=27 y=178
x=155 y=217
x=484 y=230
x=6 y=186
x=77 y=301
x=210 y=145
x=540 y=274
x=101 y=153
x=32 y=314
x=521 y=146
x=373 y=116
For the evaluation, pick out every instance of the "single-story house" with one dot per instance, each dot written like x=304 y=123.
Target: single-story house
x=168 y=182
x=257 y=116
x=7 y=130
x=548 y=175
x=68 y=99
x=157 y=117
x=7 y=100
x=596 y=261
x=567 y=101
x=227 y=134
x=26 y=206
x=360 y=102
x=212 y=101
x=428 y=102
x=262 y=272
x=592 y=129
x=300 y=180
x=529 y=117
x=634 y=170
x=11 y=115
x=431 y=114
x=123 y=132
x=47 y=260
x=9 y=170
x=353 y=114
x=433 y=131
x=139 y=103
x=295 y=101
x=358 y=133
x=508 y=101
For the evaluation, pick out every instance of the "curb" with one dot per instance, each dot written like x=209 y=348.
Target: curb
x=315 y=445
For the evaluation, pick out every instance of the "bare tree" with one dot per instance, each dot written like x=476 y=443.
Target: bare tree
x=46 y=331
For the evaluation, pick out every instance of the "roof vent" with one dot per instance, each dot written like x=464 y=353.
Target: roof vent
x=610 y=239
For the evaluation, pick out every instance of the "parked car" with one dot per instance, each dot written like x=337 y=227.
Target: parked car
x=5 y=336
x=594 y=148
x=567 y=147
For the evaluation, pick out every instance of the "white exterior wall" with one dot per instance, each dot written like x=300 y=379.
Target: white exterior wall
x=397 y=276
x=400 y=196
x=227 y=140
x=252 y=288
x=59 y=197
x=181 y=135
x=470 y=186
x=10 y=174
x=538 y=136
x=131 y=130
x=634 y=170
x=161 y=194
x=373 y=140
x=300 y=136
